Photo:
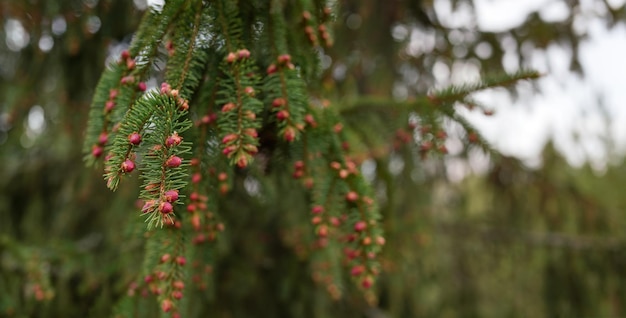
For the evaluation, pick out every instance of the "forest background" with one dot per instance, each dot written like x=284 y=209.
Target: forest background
x=532 y=229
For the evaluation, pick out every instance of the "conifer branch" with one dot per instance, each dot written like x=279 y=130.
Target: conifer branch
x=214 y=50
x=286 y=96
x=116 y=90
x=459 y=92
x=93 y=146
x=188 y=50
x=237 y=121
x=277 y=28
x=445 y=97
x=230 y=24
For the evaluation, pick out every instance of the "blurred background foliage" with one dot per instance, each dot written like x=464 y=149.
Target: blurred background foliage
x=508 y=242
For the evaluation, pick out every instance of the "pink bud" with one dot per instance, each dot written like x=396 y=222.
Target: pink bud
x=244 y=54
x=343 y=173
x=350 y=253
x=130 y=64
x=228 y=107
x=108 y=107
x=96 y=151
x=165 y=258
x=171 y=195
x=166 y=207
x=250 y=115
x=196 y=178
x=249 y=90
x=352 y=196
x=142 y=86
x=298 y=174
x=223 y=176
x=125 y=54
x=173 y=140
x=166 y=305
x=290 y=134
x=366 y=282
x=360 y=226
x=184 y=105
x=317 y=209
x=309 y=119
x=161 y=275
x=127 y=79
x=229 y=138
x=284 y=59
x=231 y=57
x=271 y=69
x=148 y=206
x=173 y=162
x=113 y=93
x=282 y=115
x=366 y=241
x=134 y=138
x=242 y=162
x=104 y=137
x=322 y=231
x=177 y=294
x=194 y=196
x=316 y=220
x=128 y=166
x=165 y=88
x=179 y=284
x=229 y=150
x=279 y=102
x=251 y=149
x=298 y=165
x=338 y=128
x=181 y=260
x=148 y=279
x=251 y=132
x=357 y=270
x=169 y=45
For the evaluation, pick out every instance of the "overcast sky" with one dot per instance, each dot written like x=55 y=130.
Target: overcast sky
x=568 y=108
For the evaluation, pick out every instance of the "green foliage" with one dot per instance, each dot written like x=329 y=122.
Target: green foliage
x=339 y=209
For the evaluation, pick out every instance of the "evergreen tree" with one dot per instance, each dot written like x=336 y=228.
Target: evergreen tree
x=276 y=173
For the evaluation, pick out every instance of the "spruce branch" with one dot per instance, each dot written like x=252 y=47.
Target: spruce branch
x=188 y=50
x=118 y=85
x=214 y=51
x=237 y=121
x=93 y=146
x=286 y=96
x=158 y=118
x=277 y=28
x=230 y=23
x=153 y=27
x=442 y=98
x=455 y=93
